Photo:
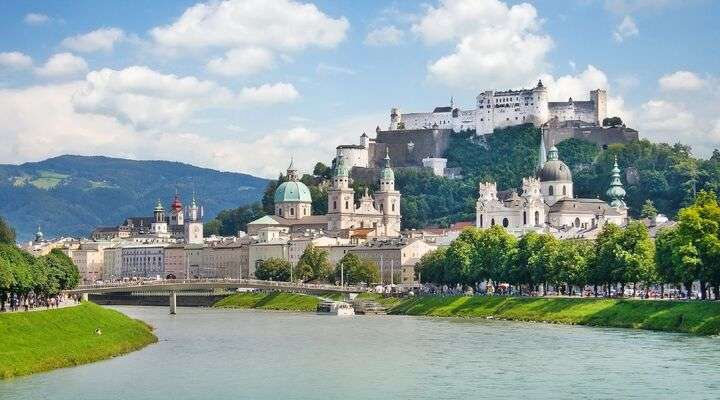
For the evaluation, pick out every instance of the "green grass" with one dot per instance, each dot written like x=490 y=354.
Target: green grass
x=48 y=179
x=43 y=340
x=270 y=301
x=387 y=302
x=694 y=317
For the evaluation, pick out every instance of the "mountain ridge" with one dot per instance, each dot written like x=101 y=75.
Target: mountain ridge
x=73 y=194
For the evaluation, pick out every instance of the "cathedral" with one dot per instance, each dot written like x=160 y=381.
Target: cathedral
x=378 y=214
x=547 y=202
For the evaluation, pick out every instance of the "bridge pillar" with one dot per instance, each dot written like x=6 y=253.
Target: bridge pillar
x=173 y=303
x=84 y=297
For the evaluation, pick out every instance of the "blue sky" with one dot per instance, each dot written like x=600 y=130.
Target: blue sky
x=244 y=85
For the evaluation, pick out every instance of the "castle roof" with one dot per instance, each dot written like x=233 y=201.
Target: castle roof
x=442 y=109
x=583 y=206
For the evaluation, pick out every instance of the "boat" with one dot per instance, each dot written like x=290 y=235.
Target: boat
x=335 y=308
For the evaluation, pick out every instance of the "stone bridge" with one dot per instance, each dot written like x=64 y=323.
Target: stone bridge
x=177 y=285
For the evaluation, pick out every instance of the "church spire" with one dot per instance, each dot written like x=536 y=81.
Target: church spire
x=292 y=173
x=616 y=193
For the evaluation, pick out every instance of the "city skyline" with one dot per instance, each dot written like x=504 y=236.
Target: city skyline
x=297 y=79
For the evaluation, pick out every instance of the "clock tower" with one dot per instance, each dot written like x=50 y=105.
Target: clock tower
x=193 y=224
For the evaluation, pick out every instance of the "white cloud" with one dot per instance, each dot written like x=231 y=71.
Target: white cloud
x=384 y=36
x=496 y=45
x=283 y=25
x=15 y=60
x=36 y=19
x=681 y=80
x=666 y=120
x=103 y=39
x=62 y=65
x=627 y=28
x=43 y=121
x=146 y=99
x=268 y=94
x=245 y=61
x=326 y=69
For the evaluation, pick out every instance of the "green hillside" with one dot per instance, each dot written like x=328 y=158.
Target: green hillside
x=71 y=195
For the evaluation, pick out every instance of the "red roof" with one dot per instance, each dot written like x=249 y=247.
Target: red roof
x=176 y=204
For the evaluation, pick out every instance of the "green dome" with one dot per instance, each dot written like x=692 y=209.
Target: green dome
x=387 y=174
x=292 y=191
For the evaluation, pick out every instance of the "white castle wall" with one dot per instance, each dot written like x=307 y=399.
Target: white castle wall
x=507 y=108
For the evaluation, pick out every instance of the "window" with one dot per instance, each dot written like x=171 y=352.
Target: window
x=280 y=212
x=292 y=211
x=381 y=206
x=334 y=205
x=564 y=190
x=551 y=191
x=481 y=220
x=537 y=218
x=524 y=217
x=347 y=205
x=393 y=207
x=577 y=222
x=492 y=222
x=505 y=222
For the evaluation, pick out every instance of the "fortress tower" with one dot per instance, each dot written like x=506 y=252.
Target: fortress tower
x=599 y=98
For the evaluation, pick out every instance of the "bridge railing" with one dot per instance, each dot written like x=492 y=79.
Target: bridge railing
x=219 y=281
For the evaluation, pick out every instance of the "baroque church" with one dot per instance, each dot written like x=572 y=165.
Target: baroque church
x=377 y=214
x=547 y=202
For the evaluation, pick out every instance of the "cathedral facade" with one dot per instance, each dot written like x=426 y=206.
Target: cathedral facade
x=547 y=202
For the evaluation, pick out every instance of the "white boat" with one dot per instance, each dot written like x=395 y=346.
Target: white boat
x=335 y=308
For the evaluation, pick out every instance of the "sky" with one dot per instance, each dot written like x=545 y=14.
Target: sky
x=243 y=85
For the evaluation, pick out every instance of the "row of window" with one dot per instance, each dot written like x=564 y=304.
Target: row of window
x=506 y=222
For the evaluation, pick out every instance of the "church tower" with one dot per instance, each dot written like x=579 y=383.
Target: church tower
x=176 y=211
x=388 y=199
x=159 y=225
x=341 y=201
x=194 y=224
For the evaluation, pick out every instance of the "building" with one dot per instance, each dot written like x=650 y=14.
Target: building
x=142 y=261
x=293 y=206
x=547 y=202
x=498 y=109
x=396 y=258
x=272 y=242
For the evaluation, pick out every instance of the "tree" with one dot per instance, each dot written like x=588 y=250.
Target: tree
x=7 y=233
x=696 y=245
x=634 y=256
x=607 y=262
x=665 y=268
x=495 y=250
x=273 y=269
x=648 y=209
x=569 y=265
x=229 y=222
x=535 y=257
x=431 y=267
x=322 y=171
x=357 y=270
x=314 y=265
x=612 y=121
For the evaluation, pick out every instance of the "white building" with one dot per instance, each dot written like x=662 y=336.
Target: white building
x=498 y=109
x=143 y=261
x=547 y=202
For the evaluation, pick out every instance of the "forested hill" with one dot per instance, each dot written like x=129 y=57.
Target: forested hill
x=667 y=176
x=71 y=195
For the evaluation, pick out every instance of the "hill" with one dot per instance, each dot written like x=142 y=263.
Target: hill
x=658 y=177
x=71 y=195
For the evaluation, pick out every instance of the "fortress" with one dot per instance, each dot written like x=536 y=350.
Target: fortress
x=421 y=139
x=506 y=108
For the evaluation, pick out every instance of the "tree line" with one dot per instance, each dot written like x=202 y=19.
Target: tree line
x=620 y=256
x=23 y=274
x=314 y=265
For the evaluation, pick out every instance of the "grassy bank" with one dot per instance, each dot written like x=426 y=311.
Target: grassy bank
x=695 y=317
x=43 y=340
x=270 y=301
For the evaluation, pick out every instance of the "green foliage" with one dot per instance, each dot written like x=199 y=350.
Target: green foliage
x=357 y=270
x=44 y=340
x=612 y=121
x=273 y=269
x=648 y=209
x=21 y=273
x=577 y=153
x=229 y=222
x=7 y=233
x=699 y=318
x=314 y=265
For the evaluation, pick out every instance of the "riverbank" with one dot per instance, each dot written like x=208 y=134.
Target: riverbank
x=45 y=340
x=276 y=301
x=693 y=317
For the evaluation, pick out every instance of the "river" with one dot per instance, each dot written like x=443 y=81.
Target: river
x=212 y=354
